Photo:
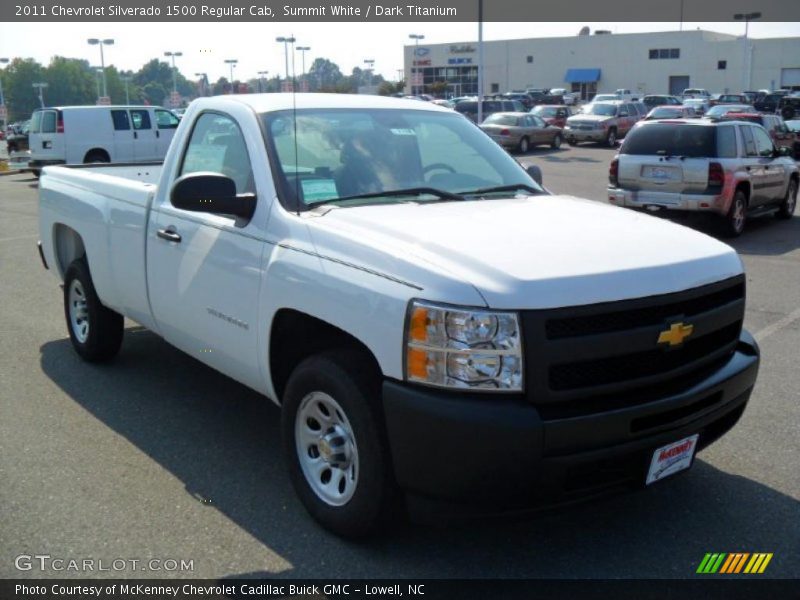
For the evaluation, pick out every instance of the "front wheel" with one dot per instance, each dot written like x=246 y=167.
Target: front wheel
x=94 y=330
x=523 y=145
x=556 y=143
x=335 y=444
x=611 y=138
x=786 y=211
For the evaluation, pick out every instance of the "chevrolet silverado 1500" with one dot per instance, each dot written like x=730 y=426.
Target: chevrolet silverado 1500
x=434 y=324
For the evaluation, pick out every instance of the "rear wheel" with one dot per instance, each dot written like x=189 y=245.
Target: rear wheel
x=737 y=215
x=786 y=211
x=335 y=444
x=94 y=330
x=556 y=143
x=524 y=145
x=572 y=141
x=611 y=138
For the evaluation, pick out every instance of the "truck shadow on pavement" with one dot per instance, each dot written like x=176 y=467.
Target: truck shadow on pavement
x=222 y=441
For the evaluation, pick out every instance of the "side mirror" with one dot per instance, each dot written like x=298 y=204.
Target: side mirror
x=211 y=193
x=535 y=173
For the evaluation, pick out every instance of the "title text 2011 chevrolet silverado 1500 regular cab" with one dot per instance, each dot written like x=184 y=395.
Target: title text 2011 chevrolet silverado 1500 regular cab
x=434 y=324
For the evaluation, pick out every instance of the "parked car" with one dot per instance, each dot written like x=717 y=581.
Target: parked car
x=570 y=98
x=89 y=134
x=521 y=97
x=17 y=138
x=729 y=99
x=469 y=108
x=770 y=102
x=670 y=112
x=789 y=106
x=794 y=127
x=627 y=95
x=653 y=100
x=716 y=112
x=543 y=96
x=781 y=135
x=604 y=122
x=699 y=105
x=398 y=321
x=695 y=93
x=552 y=114
x=605 y=98
x=731 y=169
x=521 y=131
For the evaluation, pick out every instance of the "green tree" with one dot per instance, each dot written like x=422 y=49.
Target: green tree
x=18 y=79
x=324 y=75
x=70 y=82
x=154 y=93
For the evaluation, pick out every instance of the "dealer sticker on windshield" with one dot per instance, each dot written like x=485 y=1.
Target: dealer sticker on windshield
x=315 y=190
x=672 y=458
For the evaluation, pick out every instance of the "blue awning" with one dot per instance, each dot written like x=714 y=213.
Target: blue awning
x=582 y=75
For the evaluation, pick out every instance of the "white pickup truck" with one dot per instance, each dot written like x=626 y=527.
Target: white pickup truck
x=434 y=324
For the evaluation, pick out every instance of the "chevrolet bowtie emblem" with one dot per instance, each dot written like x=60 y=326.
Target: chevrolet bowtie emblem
x=675 y=335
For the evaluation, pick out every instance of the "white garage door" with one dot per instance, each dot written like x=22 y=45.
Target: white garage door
x=790 y=77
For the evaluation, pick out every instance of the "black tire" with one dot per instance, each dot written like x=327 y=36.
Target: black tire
x=572 y=141
x=736 y=219
x=524 y=145
x=95 y=156
x=786 y=211
x=556 y=143
x=341 y=376
x=103 y=336
x=611 y=138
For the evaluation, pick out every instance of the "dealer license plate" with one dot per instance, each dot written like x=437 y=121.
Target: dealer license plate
x=672 y=458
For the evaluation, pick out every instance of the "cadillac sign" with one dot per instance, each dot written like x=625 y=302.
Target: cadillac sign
x=462 y=49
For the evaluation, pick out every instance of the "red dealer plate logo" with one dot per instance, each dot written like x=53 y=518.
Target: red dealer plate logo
x=672 y=458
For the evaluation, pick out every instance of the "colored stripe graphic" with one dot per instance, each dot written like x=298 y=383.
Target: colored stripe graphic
x=711 y=562
x=759 y=562
x=734 y=563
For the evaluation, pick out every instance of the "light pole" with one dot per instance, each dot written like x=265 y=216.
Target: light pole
x=203 y=83
x=261 y=75
x=232 y=62
x=174 y=71
x=126 y=79
x=40 y=87
x=371 y=65
x=303 y=50
x=101 y=43
x=416 y=38
x=746 y=67
x=286 y=41
x=97 y=76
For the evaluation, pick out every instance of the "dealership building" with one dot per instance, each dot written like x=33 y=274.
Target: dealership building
x=647 y=63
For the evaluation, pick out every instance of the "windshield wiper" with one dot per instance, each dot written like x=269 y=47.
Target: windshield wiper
x=503 y=188
x=417 y=191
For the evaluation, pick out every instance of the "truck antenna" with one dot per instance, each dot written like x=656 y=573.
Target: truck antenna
x=294 y=122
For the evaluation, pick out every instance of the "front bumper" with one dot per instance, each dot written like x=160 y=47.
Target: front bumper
x=497 y=453
x=585 y=135
x=707 y=203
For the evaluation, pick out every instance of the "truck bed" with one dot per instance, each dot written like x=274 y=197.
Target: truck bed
x=109 y=205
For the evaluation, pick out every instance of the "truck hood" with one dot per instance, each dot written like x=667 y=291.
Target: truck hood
x=526 y=253
x=589 y=118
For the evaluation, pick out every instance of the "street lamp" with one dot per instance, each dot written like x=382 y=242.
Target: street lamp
x=746 y=67
x=261 y=75
x=303 y=49
x=371 y=65
x=416 y=38
x=101 y=43
x=97 y=75
x=174 y=71
x=41 y=87
x=232 y=62
x=286 y=41
x=126 y=79
x=203 y=82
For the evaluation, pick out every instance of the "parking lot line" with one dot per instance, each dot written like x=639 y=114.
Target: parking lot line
x=767 y=331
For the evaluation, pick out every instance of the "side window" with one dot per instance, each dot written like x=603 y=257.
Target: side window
x=538 y=122
x=166 y=120
x=49 y=122
x=120 y=120
x=749 y=143
x=764 y=145
x=726 y=142
x=217 y=145
x=141 y=119
x=561 y=113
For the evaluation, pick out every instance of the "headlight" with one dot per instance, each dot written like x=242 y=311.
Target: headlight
x=463 y=348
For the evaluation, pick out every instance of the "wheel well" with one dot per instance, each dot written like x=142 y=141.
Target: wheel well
x=295 y=336
x=68 y=246
x=99 y=151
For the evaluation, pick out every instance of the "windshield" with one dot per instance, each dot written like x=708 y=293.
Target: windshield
x=720 y=110
x=601 y=97
x=606 y=110
x=498 y=119
x=664 y=112
x=342 y=153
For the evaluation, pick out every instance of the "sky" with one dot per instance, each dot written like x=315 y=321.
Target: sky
x=205 y=46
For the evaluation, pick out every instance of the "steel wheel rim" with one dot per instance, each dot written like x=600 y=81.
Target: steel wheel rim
x=612 y=138
x=738 y=215
x=326 y=448
x=78 y=311
x=557 y=141
x=792 y=198
x=523 y=145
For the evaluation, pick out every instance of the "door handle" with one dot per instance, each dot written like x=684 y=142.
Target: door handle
x=169 y=235
x=135 y=135
x=158 y=133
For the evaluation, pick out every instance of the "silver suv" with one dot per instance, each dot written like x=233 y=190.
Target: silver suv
x=604 y=122
x=729 y=168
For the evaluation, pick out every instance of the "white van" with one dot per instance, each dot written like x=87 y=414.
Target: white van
x=92 y=134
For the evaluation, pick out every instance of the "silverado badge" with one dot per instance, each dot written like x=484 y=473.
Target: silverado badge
x=676 y=334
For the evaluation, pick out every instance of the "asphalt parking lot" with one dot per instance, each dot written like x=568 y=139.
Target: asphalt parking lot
x=157 y=456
